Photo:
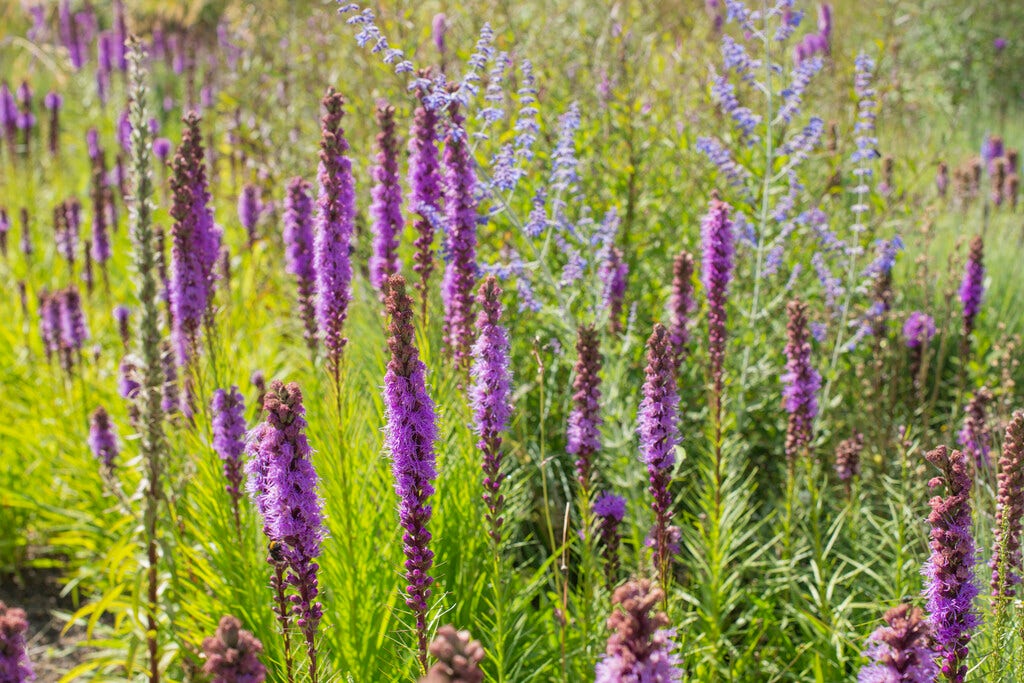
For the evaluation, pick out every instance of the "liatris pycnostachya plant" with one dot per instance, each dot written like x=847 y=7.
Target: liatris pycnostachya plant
x=847 y=463
x=170 y=397
x=336 y=202
x=951 y=587
x=26 y=234
x=1006 y=554
x=972 y=287
x=610 y=510
x=657 y=418
x=49 y=322
x=195 y=243
x=232 y=654
x=614 y=272
x=73 y=329
x=461 y=217
x=489 y=396
x=918 y=331
x=102 y=440
x=681 y=305
x=121 y=315
x=53 y=102
x=15 y=666
x=386 y=208
x=228 y=408
x=100 y=213
x=425 y=189
x=717 y=264
x=458 y=658
x=283 y=483
x=410 y=435
x=298 y=240
x=975 y=436
x=802 y=382
x=640 y=646
x=901 y=651
x=584 y=429
x=249 y=208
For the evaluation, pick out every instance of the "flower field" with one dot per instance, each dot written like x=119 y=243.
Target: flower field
x=551 y=341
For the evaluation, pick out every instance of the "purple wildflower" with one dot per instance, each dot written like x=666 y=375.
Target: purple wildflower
x=386 y=208
x=972 y=287
x=439 y=27
x=26 y=233
x=1006 y=554
x=15 y=665
x=232 y=654
x=298 y=240
x=73 y=329
x=900 y=652
x=333 y=231
x=610 y=510
x=614 y=272
x=410 y=436
x=53 y=102
x=848 y=458
x=489 y=396
x=228 y=410
x=49 y=322
x=249 y=208
x=975 y=437
x=162 y=149
x=425 y=187
x=121 y=314
x=656 y=424
x=999 y=44
x=5 y=228
x=458 y=658
x=639 y=648
x=681 y=305
x=717 y=244
x=950 y=570
x=802 y=382
x=460 y=215
x=584 y=429
x=918 y=330
x=102 y=440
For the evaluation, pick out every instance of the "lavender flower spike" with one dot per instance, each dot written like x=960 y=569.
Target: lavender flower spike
x=460 y=214
x=802 y=382
x=950 y=570
x=387 y=200
x=102 y=440
x=232 y=654
x=900 y=652
x=717 y=245
x=681 y=305
x=284 y=484
x=973 y=285
x=614 y=272
x=975 y=437
x=15 y=665
x=1006 y=555
x=425 y=186
x=298 y=240
x=656 y=420
x=640 y=647
x=610 y=510
x=249 y=208
x=228 y=410
x=333 y=232
x=489 y=396
x=410 y=436
x=584 y=430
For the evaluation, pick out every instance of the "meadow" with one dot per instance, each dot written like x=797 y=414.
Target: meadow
x=558 y=340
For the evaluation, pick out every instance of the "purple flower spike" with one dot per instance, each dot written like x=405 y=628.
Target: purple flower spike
x=848 y=458
x=195 y=245
x=333 y=232
x=584 y=429
x=901 y=652
x=613 y=276
x=975 y=437
x=425 y=186
x=973 y=285
x=610 y=510
x=121 y=314
x=228 y=410
x=640 y=647
x=284 y=483
x=950 y=570
x=717 y=244
x=681 y=305
x=410 y=436
x=460 y=216
x=249 y=208
x=298 y=240
x=73 y=330
x=439 y=27
x=489 y=396
x=162 y=149
x=1006 y=554
x=15 y=665
x=656 y=421
x=386 y=209
x=102 y=440
x=802 y=382
x=918 y=330
x=232 y=654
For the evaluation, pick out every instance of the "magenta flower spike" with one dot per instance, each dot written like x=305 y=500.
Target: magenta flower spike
x=972 y=288
x=386 y=208
x=901 y=651
x=1006 y=555
x=640 y=646
x=801 y=381
x=15 y=665
x=232 y=654
x=299 y=241
x=228 y=408
x=584 y=429
x=425 y=187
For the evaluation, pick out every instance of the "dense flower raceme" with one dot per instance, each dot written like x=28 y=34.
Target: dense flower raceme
x=15 y=666
x=681 y=305
x=72 y=331
x=283 y=483
x=640 y=647
x=975 y=436
x=299 y=240
x=1006 y=555
x=195 y=244
x=901 y=651
x=489 y=396
x=232 y=654
x=102 y=440
x=425 y=188
x=972 y=287
x=121 y=317
x=410 y=436
x=249 y=208
x=717 y=265
x=610 y=510
x=228 y=408
x=458 y=658
x=386 y=208
x=951 y=587
x=657 y=426
x=584 y=428
x=801 y=381
x=918 y=330
x=98 y=193
x=334 y=223
x=461 y=219
x=848 y=457
x=614 y=272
